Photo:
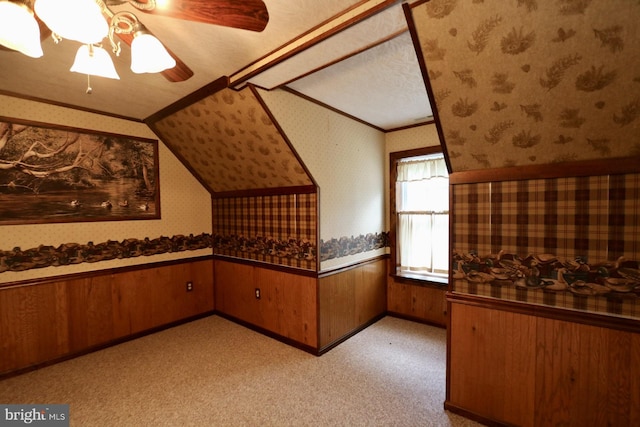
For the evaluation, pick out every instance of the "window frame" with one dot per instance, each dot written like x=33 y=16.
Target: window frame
x=394 y=157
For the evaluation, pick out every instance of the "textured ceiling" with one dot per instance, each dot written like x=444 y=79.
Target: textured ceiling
x=369 y=70
x=345 y=85
x=213 y=51
x=533 y=82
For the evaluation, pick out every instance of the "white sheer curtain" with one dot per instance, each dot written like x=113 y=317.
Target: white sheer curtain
x=422 y=204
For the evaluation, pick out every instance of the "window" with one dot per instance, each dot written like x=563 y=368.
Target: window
x=421 y=215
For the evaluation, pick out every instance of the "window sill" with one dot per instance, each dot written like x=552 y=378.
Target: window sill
x=421 y=280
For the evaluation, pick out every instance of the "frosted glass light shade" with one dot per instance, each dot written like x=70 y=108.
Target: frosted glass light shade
x=94 y=61
x=79 y=20
x=19 y=29
x=148 y=55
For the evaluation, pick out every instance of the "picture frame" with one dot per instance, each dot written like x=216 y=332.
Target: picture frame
x=56 y=174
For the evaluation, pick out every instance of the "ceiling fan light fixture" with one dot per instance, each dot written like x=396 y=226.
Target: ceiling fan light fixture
x=79 y=20
x=19 y=29
x=94 y=61
x=148 y=55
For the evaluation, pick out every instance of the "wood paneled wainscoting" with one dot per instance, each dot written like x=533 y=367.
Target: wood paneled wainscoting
x=274 y=300
x=49 y=320
x=526 y=365
x=305 y=309
x=416 y=300
x=350 y=299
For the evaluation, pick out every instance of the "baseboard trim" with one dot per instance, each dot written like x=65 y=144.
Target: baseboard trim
x=268 y=333
x=474 y=417
x=417 y=319
x=357 y=330
x=307 y=348
x=107 y=344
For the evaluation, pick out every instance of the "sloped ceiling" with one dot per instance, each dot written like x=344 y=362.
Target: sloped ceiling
x=318 y=34
x=230 y=143
x=532 y=82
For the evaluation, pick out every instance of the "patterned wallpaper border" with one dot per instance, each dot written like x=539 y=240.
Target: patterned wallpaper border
x=346 y=246
x=291 y=248
x=610 y=287
x=299 y=249
x=74 y=253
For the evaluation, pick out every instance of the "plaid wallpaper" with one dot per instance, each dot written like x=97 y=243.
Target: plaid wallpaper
x=471 y=218
x=278 y=229
x=586 y=225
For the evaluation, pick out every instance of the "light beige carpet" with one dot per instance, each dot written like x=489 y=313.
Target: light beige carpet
x=213 y=372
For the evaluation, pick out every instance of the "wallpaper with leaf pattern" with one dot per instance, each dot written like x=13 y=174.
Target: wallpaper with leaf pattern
x=232 y=144
x=521 y=82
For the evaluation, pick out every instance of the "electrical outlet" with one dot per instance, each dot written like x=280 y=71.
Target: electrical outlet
x=189 y=286
x=257 y=293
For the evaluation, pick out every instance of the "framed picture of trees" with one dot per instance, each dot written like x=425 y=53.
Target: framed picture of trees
x=58 y=174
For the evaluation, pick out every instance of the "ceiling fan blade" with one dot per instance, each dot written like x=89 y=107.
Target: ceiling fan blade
x=249 y=15
x=44 y=30
x=179 y=73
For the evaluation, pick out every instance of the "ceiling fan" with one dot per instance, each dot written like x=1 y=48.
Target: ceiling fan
x=251 y=15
